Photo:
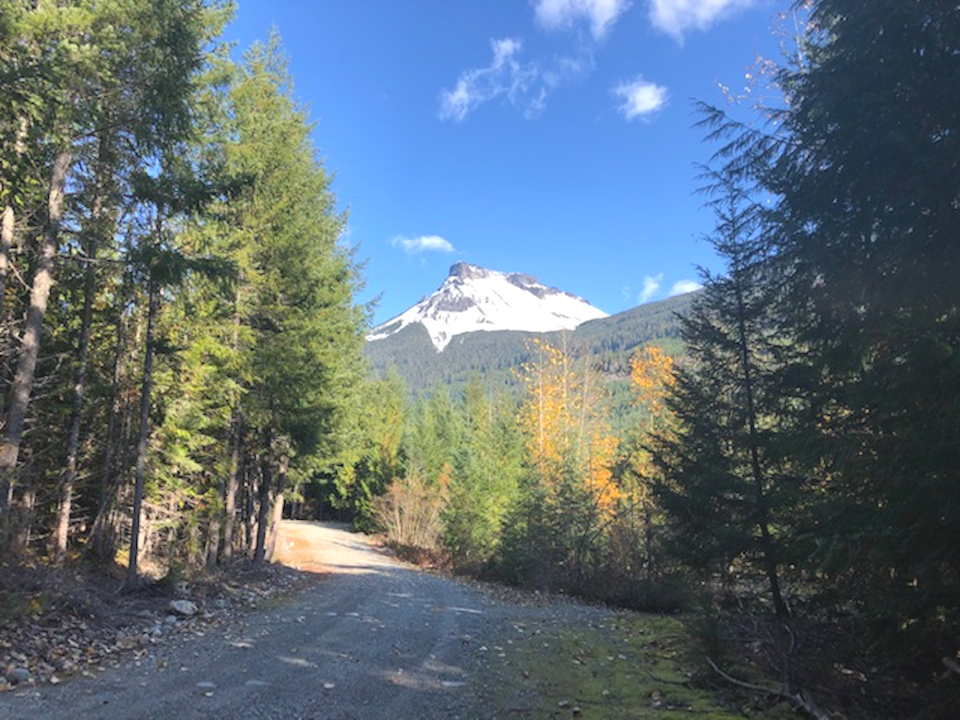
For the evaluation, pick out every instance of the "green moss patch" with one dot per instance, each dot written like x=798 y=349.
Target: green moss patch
x=628 y=666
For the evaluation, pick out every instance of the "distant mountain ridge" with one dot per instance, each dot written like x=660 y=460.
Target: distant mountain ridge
x=474 y=298
x=497 y=355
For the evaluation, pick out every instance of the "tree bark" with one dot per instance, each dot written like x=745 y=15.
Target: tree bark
x=30 y=342
x=8 y=223
x=263 y=509
x=214 y=528
x=230 y=492
x=102 y=536
x=144 y=431
x=250 y=518
x=277 y=513
x=69 y=478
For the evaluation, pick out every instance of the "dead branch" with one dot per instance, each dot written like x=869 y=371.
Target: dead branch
x=743 y=684
x=951 y=665
x=800 y=700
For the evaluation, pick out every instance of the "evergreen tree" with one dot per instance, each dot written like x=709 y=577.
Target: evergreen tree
x=726 y=488
x=485 y=478
x=376 y=440
x=870 y=215
x=94 y=89
x=299 y=331
x=860 y=171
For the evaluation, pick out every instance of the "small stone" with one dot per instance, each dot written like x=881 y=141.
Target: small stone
x=170 y=619
x=206 y=685
x=18 y=675
x=186 y=608
x=126 y=642
x=54 y=680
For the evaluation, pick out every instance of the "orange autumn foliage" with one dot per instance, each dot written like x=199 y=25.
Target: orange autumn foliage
x=651 y=371
x=562 y=424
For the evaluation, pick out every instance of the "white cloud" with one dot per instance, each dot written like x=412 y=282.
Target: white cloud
x=525 y=85
x=424 y=243
x=675 y=17
x=650 y=286
x=640 y=98
x=562 y=14
x=684 y=286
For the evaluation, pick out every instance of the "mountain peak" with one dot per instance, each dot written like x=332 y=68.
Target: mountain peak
x=467 y=271
x=473 y=298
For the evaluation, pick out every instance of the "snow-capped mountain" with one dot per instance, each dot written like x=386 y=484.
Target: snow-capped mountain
x=473 y=298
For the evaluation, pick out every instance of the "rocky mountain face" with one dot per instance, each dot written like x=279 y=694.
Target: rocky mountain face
x=475 y=299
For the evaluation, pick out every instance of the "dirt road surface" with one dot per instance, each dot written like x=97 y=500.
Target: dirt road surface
x=372 y=638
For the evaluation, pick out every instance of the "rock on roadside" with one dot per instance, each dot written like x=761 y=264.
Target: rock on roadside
x=184 y=608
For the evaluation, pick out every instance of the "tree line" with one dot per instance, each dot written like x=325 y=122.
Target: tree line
x=548 y=488
x=180 y=340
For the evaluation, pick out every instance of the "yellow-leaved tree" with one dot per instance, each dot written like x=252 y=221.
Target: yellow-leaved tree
x=652 y=377
x=571 y=491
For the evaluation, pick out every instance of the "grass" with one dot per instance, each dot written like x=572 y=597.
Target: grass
x=632 y=666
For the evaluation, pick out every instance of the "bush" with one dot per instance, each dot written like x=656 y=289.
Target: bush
x=410 y=513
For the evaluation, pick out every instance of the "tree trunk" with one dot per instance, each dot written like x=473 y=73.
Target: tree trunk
x=648 y=539
x=8 y=335
x=144 y=431
x=263 y=510
x=79 y=389
x=103 y=539
x=214 y=527
x=8 y=222
x=250 y=518
x=230 y=496
x=7 y=225
x=766 y=541
x=30 y=342
x=277 y=514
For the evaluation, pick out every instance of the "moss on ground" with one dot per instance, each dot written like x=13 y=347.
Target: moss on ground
x=630 y=666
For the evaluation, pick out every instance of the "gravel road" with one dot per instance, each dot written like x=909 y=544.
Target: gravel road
x=372 y=638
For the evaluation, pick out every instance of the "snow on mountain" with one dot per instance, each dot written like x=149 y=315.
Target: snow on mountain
x=473 y=298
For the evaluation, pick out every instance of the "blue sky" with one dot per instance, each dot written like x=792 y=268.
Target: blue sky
x=551 y=137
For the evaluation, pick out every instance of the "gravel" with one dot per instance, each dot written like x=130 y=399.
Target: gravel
x=371 y=638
